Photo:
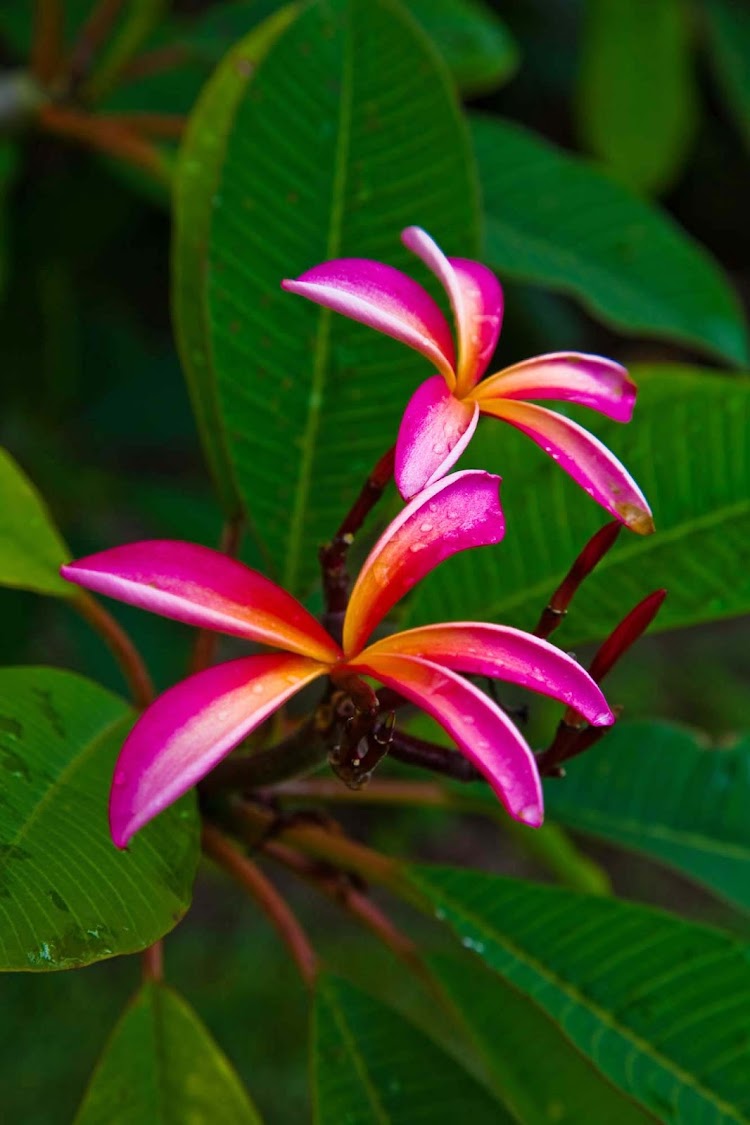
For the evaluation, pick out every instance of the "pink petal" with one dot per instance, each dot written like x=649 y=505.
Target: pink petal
x=435 y=430
x=507 y=654
x=190 y=728
x=589 y=380
x=461 y=511
x=385 y=299
x=203 y=587
x=582 y=455
x=481 y=731
x=476 y=299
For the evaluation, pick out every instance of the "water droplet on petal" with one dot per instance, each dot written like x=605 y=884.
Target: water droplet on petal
x=426 y=526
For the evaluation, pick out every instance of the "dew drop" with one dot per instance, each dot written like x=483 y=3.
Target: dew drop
x=426 y=526
x=439 y=447
x=417 y=547
x=257 y=689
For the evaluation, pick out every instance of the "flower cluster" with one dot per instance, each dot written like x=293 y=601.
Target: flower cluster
x=196 y=723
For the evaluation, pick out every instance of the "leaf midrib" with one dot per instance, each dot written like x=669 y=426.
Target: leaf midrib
x=638 y=545
x=580 y=1000
x=72 y=767
x=376 y=1105
x=323 y=336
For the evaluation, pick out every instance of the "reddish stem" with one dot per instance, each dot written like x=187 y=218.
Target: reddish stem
x=625 y=635
x=90 y=38
x=121 y=646
x=152 y=962
x=337 y=886
x=103 y=136
x=47 y=45
x=333 y=555
x=594 y=551
x=249 y=876
x=163 y=126
x=158 y=61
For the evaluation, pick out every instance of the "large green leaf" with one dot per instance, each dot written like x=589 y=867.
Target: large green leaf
x=342 y=131
x=728 y=26
x=31 y=550
x=371 y=1067
x=697 y=823
x=539 y=1073
x=201 y=155
x=161 y=1066
x=636 y=94
x=476 y=45
x=661 y=1006
x=688 y=447
x=67 y=895
x=560 y=222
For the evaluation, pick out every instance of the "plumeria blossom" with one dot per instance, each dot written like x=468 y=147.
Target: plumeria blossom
x=190 y=728
x=443 y=412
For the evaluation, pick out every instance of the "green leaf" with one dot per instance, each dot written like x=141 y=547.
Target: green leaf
x=340 y=132
x=697 y=824
x=68 y=897
x=371 y=1067
x=728 y=25
x=557 y=221
x=31 y=550
x=661 y=1006
x=539 y=1073
x=161 y=1066
x=688 y=449
x=636 y=94
x=476 y=45
x=201 y=155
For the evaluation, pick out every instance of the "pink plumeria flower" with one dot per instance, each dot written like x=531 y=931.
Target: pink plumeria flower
x=443 y=412
x=195 y=724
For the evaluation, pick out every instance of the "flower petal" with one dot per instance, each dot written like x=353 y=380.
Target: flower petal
x=461 y=511
x=435 y=430
x=588 y=461
x=590 y=380
x=481 y=731
x=383 y=298
x=202 y=587
x=476 y=299
x=190 y=728
x=507 y=654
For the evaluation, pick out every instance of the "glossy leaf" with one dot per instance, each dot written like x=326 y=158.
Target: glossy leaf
x=371 y=1067
x=559 y=222
x=68 y=897
x=315 y=155
x=636 y=92
x=539 y=1073
x=697 y=823
x=477 y=47
x=200 y=159
x=31 y=550
x=660 y=1006
x=161 y=1066
x=687 y=447
x=728 y=26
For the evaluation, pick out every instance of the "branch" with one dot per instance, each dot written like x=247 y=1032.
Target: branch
x=249 y=876
x=47 y=45
x=339 y=888
x=333 y=555
x=592 y=553
x=104 y=136
x=296 y=754
x=120 y=645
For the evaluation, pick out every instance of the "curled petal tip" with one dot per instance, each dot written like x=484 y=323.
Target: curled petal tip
x=637 y=519
x=531 y=815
